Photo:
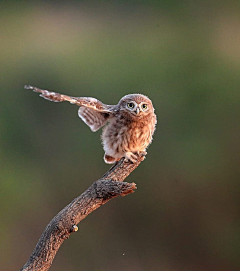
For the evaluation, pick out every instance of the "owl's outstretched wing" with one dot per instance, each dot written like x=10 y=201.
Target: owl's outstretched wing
x=93 y=112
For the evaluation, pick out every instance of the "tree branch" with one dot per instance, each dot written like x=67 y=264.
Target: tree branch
x=65 y=222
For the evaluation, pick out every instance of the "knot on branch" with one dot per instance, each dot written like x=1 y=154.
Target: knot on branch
x=107 y=189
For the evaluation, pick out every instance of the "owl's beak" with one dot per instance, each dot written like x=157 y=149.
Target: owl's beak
x=137 y=110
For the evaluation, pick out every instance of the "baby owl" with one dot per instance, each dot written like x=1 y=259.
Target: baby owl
x=128 y=126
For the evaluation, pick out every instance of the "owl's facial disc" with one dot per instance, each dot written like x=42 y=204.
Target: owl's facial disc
x=136 y=108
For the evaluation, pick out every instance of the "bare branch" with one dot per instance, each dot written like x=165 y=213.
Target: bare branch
x=65 y=222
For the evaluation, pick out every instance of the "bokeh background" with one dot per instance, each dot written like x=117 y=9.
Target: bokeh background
x=184 y=55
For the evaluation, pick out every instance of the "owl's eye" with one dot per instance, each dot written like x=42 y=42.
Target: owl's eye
x=130 y=105
x=144 y=106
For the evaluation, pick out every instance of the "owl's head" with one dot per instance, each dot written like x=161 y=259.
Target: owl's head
x=136 y=105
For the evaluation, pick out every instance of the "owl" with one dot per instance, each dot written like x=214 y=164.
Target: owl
x=128 y=126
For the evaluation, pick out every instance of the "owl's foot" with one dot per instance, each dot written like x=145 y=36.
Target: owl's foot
x=142 y=153
x=130 y=156
x=133 y=157
x=109 y=159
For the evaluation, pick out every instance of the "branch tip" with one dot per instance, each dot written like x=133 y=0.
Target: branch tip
x=131 y=187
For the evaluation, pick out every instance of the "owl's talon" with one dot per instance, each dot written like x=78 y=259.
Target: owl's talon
x=142 y=153
x=129 y=156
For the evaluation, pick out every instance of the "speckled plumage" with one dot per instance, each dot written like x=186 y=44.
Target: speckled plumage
x=129 y=125
x=127 y=132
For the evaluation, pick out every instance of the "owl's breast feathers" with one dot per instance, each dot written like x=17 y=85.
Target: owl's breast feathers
x=141 y=133
x=123 y=135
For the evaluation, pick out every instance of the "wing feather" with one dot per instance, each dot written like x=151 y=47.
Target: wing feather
x=92 y=111
x=94 y=119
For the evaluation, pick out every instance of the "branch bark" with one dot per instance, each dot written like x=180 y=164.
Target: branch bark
x=65 y=222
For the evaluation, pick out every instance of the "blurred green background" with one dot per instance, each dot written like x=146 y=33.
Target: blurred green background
x=184 y=55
